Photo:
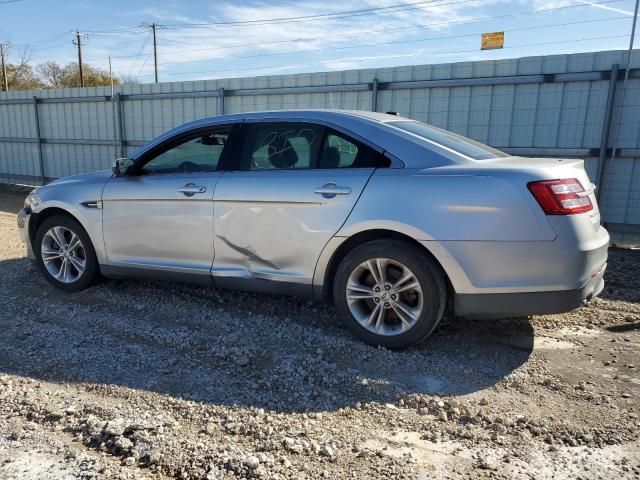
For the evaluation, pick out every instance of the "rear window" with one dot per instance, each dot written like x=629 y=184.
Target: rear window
x=463 y=145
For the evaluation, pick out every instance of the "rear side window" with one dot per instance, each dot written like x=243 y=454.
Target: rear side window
x=339 y=151
x=280 y=146
x=463 y=145
x=299 y=145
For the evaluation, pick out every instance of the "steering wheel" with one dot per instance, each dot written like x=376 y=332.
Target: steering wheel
x=186 y=167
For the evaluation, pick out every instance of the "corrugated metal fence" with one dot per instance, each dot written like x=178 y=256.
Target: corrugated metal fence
x=560 y=106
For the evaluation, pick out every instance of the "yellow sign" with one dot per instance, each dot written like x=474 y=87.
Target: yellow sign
x=491 y=41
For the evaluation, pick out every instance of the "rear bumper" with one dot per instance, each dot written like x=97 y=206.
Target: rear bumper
x=24 y=217
x=501 y=305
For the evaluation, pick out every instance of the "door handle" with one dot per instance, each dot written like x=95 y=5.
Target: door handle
x=330 y=190
x=190 y=189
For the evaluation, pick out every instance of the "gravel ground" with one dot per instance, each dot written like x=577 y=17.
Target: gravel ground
x=157 y=380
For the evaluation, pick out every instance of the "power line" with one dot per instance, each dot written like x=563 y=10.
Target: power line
x=319 y=16
x=50 y=47
x=395 y=42
x=144 y=45
x=369 y=32
x=139 y=29
x=144 y=64
x=440 y=53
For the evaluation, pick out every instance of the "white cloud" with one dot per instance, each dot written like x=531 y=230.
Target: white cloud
x=214 y=48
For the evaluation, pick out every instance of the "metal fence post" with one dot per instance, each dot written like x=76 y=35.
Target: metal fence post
x=36 y=116
x=374 y=95
x=120 y=124
x=221 y=101
x=606 y=128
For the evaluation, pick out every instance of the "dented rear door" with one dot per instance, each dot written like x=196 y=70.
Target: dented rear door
x=272 y=225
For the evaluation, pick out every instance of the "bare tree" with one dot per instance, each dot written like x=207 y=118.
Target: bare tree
x=51 y=74
x=128 y=79
x=20 y=74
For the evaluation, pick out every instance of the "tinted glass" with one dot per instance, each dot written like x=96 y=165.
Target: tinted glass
x=455 y=142
x=197 y=154
x=339 y=151
x=285 y=145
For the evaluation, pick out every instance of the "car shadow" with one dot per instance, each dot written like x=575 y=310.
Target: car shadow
x=232 y=348
x=622 y=281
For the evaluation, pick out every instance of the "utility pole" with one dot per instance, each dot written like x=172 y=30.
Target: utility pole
x=110 y=76
x=5 y=81
x=79 y=44
x=155 y=50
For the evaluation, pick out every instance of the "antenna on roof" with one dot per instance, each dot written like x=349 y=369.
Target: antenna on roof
x=393 y=113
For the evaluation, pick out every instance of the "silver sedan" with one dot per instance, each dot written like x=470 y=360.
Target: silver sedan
x=393 y=221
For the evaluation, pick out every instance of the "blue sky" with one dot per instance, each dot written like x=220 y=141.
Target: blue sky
x=417 y=32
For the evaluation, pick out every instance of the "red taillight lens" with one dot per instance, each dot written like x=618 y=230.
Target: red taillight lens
x=561 y=197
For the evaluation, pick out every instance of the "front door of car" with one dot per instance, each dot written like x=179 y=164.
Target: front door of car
x=160 y=215
x=286 y=192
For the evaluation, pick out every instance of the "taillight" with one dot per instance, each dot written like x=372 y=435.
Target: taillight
x=561 y=197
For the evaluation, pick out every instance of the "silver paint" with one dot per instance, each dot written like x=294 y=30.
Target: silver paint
x=279 y=230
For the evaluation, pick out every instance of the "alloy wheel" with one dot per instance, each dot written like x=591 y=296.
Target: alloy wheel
x=63 y=254
x=384 y=296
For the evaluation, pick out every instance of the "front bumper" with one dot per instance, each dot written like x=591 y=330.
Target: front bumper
x=24 y=217
x=504 y=305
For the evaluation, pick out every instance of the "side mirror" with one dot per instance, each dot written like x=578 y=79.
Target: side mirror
x=121 y=165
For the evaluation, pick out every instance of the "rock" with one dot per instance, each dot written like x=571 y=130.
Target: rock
x=123 y=443
x=487 y=463
x=484 y=401
x=154 y=457
x=115 y=427
x=500 y=429
x=210 y=428
x=251 y=462
x=327 y=451
x=442 y=415
x=241 y=361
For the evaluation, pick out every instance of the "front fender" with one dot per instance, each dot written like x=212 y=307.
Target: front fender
x=81 y=198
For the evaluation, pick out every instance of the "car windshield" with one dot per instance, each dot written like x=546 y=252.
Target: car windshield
x=463 y=145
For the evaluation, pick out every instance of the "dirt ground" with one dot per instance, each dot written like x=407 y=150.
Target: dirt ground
x=156 y=380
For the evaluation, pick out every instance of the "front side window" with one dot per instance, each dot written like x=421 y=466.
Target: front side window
x=199 y=153
x=463 y=145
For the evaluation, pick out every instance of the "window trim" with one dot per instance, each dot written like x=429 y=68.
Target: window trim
x=180 y=138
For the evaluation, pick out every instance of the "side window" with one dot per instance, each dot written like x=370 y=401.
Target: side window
x=338 y=151
x=285 y=145
x=199 y=153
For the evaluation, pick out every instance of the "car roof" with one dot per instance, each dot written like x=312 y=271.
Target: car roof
x=310 y=114
x=374 y=127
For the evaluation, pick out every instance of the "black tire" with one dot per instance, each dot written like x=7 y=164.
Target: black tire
x=91 y=269
x=426 y=271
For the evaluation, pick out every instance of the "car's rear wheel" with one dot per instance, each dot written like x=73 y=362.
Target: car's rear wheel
x=389 y=293
x=64 y=253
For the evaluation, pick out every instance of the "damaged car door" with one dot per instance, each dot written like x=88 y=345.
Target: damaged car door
x=159 y=215
x=289 y=188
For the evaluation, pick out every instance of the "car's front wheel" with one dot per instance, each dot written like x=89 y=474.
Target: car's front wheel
x=64 y=253
x=389 y=293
